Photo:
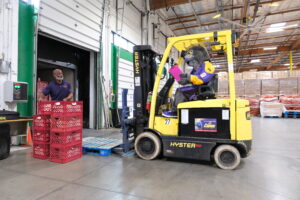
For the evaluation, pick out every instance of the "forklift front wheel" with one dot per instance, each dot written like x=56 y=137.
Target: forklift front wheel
x=147 y=146
x=227 y=157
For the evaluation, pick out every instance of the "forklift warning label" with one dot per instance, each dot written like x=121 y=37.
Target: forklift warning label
x=205 y=124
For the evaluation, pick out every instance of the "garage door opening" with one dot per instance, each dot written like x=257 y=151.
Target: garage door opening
x=75 y=64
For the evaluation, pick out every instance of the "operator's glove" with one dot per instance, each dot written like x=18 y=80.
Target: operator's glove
x=184 y=79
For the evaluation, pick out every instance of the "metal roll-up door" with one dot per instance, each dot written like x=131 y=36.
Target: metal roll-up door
x=125 y=81
x=75 y=21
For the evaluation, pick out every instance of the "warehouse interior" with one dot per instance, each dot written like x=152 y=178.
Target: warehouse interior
x=172 y=99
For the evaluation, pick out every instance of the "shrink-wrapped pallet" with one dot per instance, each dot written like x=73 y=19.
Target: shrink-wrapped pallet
x=270 y=87
x=271 y=109
x=223 y=88
x=239 y=88
x=252 y=87
x=288 y=86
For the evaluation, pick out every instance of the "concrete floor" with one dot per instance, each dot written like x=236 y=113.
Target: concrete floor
x=272 y=172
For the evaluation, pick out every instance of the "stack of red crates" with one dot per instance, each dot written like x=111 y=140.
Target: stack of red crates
x=65 y=129
x=41 y=136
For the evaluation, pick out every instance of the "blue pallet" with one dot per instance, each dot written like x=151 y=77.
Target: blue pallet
x=96 y=151
x=291 y=114
x=99 y=146
x=271 y=117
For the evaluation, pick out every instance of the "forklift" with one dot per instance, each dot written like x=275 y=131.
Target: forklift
x=207 y=128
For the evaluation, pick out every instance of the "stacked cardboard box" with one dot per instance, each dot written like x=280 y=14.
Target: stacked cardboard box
x=288 y=86
x=280 y=74
x=270 y=87
x=249 y=75
x=264 y=75
x=238 y=76
x=252 y=87
x=295 y=73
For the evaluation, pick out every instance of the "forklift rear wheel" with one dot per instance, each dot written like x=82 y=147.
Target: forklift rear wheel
x=147 y=146
x=227 y=157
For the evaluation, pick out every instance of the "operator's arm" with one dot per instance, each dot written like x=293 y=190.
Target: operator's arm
x=70 y=95
x=45 y=93
x=205 y=76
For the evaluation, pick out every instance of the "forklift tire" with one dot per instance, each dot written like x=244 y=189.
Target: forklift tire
x=227 y=157
x=4 y=141
x=147 y=146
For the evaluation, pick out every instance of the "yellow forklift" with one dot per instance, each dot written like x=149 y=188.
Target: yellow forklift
x=205 y=129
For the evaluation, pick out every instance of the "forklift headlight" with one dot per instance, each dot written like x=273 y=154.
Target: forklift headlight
x=248 y=115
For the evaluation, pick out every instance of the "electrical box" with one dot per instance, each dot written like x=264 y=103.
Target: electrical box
x=15 y=92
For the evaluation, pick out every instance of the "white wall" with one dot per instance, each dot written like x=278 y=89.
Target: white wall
x=8 y=44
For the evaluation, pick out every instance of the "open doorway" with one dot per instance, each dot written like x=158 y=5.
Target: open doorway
x=75 y=64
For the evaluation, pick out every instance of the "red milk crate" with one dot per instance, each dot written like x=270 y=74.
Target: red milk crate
x=41 y=122
x=62 y=107
x=45 y=107
x=40 y=150
x=65 y=137
x=40 y=135
x=66 y=122
x=67 y=153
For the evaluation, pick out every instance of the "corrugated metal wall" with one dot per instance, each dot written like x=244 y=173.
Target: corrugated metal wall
x=75 y=21
x=8 y=44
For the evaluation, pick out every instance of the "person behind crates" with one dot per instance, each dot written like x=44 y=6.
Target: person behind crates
x=203 y=71
x=58 y=89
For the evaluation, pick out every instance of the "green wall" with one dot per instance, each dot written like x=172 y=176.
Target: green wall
x=25 y=54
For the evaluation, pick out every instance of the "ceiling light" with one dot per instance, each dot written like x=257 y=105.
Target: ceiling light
x=206 y=38
x=292 y=25
x=277 y=25
x=216 y=66
x=270 y=48
x=255 y=61
x=274 y=4
x=286 y=64
x=272 y=30
x=217 y=16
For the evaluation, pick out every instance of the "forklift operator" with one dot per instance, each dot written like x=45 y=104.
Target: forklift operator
x=203 y=71
x=58 y=89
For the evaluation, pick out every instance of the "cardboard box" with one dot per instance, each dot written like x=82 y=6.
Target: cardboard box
x=252 y=87
x=223 y=88
x=264 y=75
x=299 y=86
x=238 y=76
x=288 y=86
x=249 y=75
x=280 y=74
x=239 y=88
x=270 y=87
x=223 y=76
x=295 y=73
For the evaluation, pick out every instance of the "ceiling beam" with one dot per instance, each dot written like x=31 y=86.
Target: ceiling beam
x=225 y=9
x=274 y=37
x=157 y=4
x=244 y=11
x=269 y=44
x=295 y=46
x=238 y=19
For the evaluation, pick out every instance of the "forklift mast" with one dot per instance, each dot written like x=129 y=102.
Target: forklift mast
x=144 y=68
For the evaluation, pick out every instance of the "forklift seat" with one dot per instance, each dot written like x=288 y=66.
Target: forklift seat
x=162 y=97
x=208 y=90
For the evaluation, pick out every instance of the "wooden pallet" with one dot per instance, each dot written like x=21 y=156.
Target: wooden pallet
x=99 y=146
